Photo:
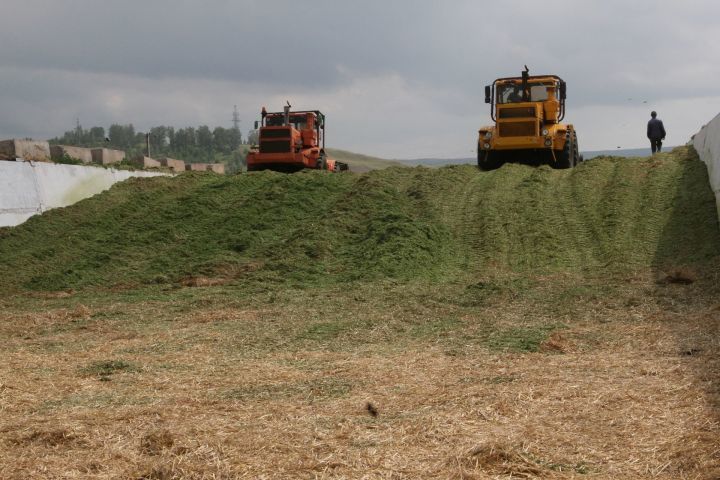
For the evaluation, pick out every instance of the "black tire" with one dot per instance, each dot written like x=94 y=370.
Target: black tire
x=489 y=160
x=578 y=158
x=568 y=156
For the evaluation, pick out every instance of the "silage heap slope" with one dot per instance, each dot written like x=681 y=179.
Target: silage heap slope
x=315 y=228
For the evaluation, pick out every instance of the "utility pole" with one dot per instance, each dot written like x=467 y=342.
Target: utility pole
x=236 y=123
x=78 y=131
x=236 y=119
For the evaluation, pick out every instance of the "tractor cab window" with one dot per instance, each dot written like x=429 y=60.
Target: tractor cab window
x=538 y=92
x=510 y=93
x=274 y=121
x=299 y=122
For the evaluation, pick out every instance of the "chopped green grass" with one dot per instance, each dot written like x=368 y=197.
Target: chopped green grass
x=265 y=231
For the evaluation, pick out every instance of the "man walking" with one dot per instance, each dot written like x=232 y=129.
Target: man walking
x=655 y=132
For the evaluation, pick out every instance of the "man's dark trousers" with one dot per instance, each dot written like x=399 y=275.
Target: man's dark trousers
x=655 y=145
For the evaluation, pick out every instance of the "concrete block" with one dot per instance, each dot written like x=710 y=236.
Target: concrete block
x=106 y=156
x=146 y=162
x=79 y=153
x=217 y=168
x=173 y=164
x=32 y=150
x=197 y=167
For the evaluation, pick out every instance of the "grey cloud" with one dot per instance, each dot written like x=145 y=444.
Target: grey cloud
x=64 y=59
x=462 y=44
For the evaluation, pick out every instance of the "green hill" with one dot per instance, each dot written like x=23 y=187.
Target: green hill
x=362 y=163
x=315 y=228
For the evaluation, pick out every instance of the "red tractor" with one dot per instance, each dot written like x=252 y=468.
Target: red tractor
x=290 y=141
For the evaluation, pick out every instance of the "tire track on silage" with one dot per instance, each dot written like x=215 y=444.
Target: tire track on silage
x=586 y=185
x=657 y=194
x=492 y=226
x=576 y=248
x=620 y=212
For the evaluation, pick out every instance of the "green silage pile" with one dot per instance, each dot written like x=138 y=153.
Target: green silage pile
x=315 y=228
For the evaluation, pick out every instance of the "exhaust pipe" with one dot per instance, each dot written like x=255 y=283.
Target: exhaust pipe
x=525 y=76
x=286 y=120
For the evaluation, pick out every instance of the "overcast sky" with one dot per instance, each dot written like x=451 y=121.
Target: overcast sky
x=397 y=79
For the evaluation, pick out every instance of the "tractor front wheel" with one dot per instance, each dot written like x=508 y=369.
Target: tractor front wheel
x=568 y=156
x=489 y=160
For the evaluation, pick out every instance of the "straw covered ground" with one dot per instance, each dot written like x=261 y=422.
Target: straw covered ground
x=521 y=323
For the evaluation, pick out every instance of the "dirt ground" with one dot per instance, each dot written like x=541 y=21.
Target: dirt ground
x=198 y=384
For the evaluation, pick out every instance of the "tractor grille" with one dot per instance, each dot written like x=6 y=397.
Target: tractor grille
x=518 y=129
x=517 y=112
x=274 y=133
x=274 y=146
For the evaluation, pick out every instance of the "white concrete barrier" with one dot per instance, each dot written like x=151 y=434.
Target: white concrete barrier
x=707 y=144
x=19 y=197
x=30 y=188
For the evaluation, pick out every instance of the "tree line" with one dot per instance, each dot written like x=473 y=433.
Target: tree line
x=192 y=144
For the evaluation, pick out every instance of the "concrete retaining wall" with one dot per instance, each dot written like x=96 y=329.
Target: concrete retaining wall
x=217 y=168
x=83 y=154
x=196 y=167
x=146 y=162
x=707 y=144
x=29 y=188
x=25 y=150
x=106 y=156
x=176 y=165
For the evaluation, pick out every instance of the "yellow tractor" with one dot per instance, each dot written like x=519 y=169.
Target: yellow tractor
x=527 y=112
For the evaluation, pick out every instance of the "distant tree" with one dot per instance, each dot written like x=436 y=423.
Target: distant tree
x=204 y=137
x=236 y=163
x=97 y=136
x=140 y=139
x=79 y=134
x=122 y=136
x=252 y=137
x=170 y=132
x=200 y=144
x=222 y=140
x=185 y=142
x=235 y=138
x=68 y=138
x=158 y=140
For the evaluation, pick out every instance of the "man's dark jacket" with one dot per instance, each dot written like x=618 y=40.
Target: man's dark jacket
x=656 y=130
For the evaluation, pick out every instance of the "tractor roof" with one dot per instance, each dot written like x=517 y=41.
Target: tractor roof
x=299 y=112
x=531 y=78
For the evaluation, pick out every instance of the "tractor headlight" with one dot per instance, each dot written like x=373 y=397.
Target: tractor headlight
x=488 y=135
x=486 y=145
x=545 y=132
x=548 y=142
